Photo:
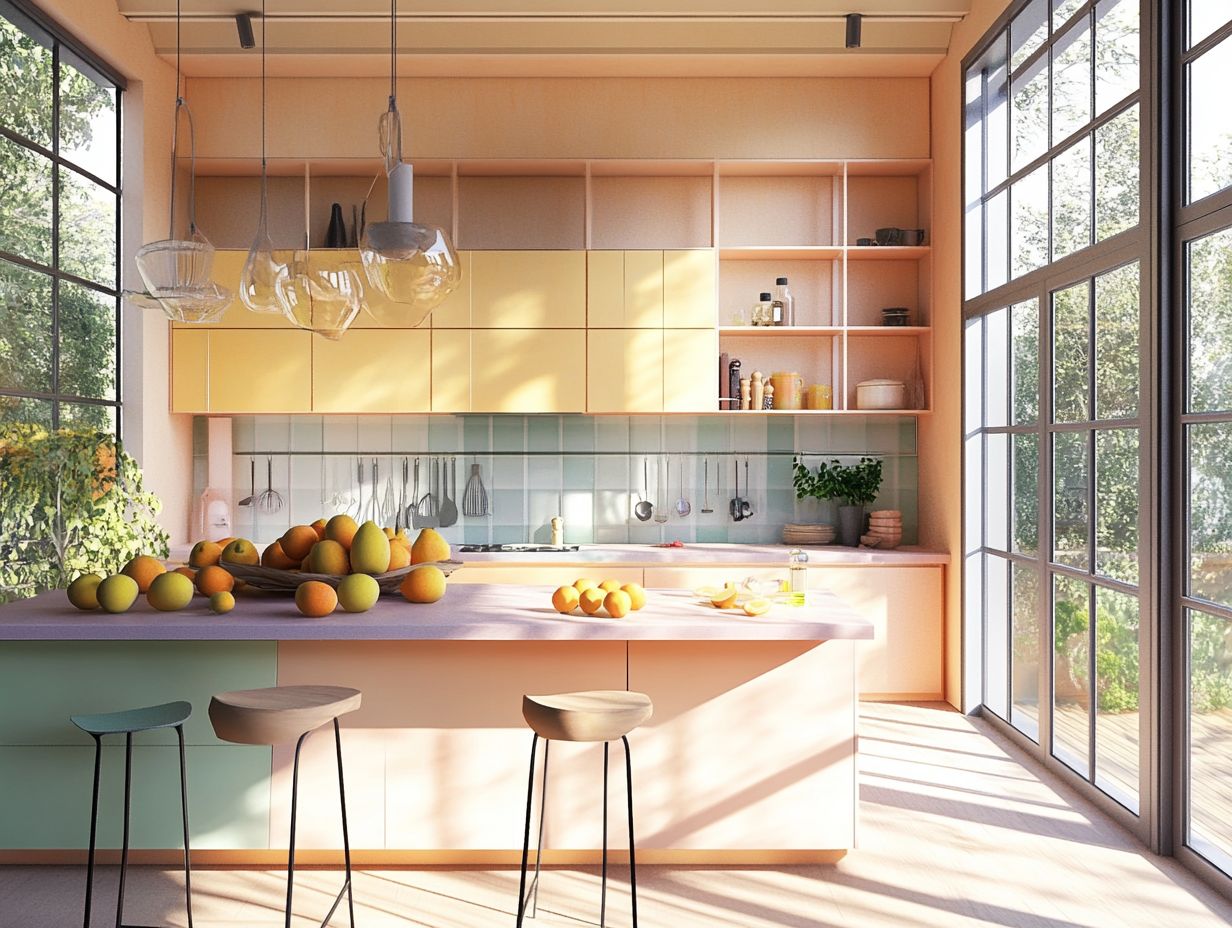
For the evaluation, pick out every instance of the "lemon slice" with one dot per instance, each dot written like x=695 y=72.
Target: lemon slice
x=724 y=598
x=757 y=607
x=707 y=593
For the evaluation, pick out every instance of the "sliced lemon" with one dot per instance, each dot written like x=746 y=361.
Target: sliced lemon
x=757 y=607
x=726 y=598
x=707 y=593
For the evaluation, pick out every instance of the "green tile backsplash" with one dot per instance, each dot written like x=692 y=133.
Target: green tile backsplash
x=587 y=469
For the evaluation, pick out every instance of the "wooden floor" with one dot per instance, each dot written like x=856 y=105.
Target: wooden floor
x=956 y=832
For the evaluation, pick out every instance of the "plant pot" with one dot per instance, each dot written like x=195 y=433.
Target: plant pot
x=850 y=525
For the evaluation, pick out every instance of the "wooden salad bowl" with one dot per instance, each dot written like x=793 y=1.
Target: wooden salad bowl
x=274 y=580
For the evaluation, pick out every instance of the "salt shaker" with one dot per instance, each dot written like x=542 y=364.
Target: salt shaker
x=767 y=401
x=746 y=393
x=758 y=391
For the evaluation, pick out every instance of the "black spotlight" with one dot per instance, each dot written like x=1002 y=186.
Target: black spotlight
x=854 y=21
x=243 y=25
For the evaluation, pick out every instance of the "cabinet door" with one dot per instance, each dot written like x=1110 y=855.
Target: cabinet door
x=373 y=371
x=528 y=370
x=643 y=289
x=690 y=297
x=455 y=310
x=251 y=370
x=528 y=289
x=228 y=264
x=690 y=370
x=189 y=359
x=451 y=370
x=605 y=289
x=624 y=370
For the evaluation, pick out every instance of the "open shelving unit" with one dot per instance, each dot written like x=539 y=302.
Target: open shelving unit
x=763 y=219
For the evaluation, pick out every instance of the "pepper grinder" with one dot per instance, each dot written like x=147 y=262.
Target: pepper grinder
x=746 y=393
x=558 y=531
x=734 y=381
x=758 y=391
x=767 y=401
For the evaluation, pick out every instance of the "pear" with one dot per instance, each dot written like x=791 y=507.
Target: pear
x=370 y=550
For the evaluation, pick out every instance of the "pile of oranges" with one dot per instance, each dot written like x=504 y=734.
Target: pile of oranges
x=617 y=599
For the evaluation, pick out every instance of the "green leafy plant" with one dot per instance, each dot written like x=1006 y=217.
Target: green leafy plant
x=71 y=502
x=856 y=484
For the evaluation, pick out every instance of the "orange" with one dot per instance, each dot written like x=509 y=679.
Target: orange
x=637 y=596
x=187 y=572
x=214 y=579
x=143 y=569
x=584 y=583
x=328 y=557
x=399 y=555
x=204 y=553
x=223 y=542
x=298 y=541
x=274 y=556
x=423 y=585
x=591 y=599
x=316 y=599
x=222 y=602
x=565 y=600
x=341 y=528
x=607 y=586
x=617 y=603
x=428 y=547
x=389 y=532
x=319 y=527
x=403 y=539
x=241 y=551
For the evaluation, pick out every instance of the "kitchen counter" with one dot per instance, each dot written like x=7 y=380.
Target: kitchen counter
x=469 y=612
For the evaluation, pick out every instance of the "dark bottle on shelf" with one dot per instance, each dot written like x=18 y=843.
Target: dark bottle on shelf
x=335 y=235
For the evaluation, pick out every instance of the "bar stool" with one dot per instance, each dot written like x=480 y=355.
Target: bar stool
x=278 y=714
x=597 y=715
x=127 y=723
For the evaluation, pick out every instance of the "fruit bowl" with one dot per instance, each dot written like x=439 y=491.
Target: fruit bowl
x=274 y=580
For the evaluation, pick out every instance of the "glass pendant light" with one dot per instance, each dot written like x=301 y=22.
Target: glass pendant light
x=177 y=272
x=412 y=264
x=262 y=270
x=319 y=294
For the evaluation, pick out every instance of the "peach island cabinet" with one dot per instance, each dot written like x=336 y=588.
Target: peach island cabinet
x=750 y=756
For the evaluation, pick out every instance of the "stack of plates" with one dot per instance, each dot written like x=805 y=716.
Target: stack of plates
x=886 y=526
x=819 y=533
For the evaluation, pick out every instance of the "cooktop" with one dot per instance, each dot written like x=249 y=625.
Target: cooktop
x=518 y=549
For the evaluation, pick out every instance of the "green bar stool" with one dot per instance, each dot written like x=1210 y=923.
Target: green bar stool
x=127 y=723
x=278 y=714
x=597 y=715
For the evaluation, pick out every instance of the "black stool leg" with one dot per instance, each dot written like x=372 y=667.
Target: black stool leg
x=128 y=793
x=98 y=760
x=291 y=847
x=632 y=862
x=603 y=870
x=179 y=730
x=543 y=805
x=346 y=837
x=530 y=797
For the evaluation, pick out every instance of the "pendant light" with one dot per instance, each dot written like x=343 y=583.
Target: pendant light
x=320 y=294
x=412 y=264
x=177 y=272
x=262 y=270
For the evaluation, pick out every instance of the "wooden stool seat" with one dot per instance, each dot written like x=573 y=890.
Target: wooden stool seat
x=278 y=713
x=595 y=715
x=147 y=718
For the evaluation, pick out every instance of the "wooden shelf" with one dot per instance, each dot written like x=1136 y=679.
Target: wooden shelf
x=780 y=252
x=887 y=252
x=887 y=331
x=821 y=331
x=816 y=412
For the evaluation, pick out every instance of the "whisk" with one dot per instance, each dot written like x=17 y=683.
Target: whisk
x=269 y=499
x=475 y=498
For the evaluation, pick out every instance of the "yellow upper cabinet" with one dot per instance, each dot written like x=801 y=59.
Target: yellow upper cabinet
x=528 y=290
x=190 y=352
x=226 y=273
x=624 y=289
x=372 y=371
x=528 y=370
x=260 y=371
x=690 y=299
x=690 y=370
x=624 y=370
x=451 y=370
x=455 y=310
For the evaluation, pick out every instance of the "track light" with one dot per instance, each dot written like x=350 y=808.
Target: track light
x=243 y=25
x=854 y=21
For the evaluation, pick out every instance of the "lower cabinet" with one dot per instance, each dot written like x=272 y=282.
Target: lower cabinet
x=509 y=370
x=373 y=370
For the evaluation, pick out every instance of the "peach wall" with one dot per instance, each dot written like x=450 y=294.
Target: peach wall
x=160 y=441
x=941 y=434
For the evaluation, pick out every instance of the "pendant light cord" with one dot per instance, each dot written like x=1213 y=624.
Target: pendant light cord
x=175 y=141
x=393 y=54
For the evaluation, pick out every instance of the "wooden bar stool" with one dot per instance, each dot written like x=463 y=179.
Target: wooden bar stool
x=127 y=723
x=279 y=714
x=597 y=715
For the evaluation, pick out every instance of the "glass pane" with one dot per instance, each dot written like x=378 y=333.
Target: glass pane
x=1063 y=10
x=25 y=105
x=25 y=202
x=1070 y=499
x=973 y=186
x=87 y=229
x=87 y=342
x=20 y=409
x=1071 y=199
x=1071 y=684
x=1024 y=715
x=1071 y=82
x=1118 y=167
x=1210 y=122
x=1025 y=361
x=1116 y=695
x=996 y=625
x=1029 y=198
x=997 y=232
x=1117 y=71
x=1028 y=32
x=1070 y=354
x=1210 y=732
x=1118 y=495
x=1025 y=512
x=996 y=491
x=1029 y=115
x=88 y=416
x=1205 y=16
x=1209 y=313
x=996 y=368
x=1210 y=512
x=25 y=330
x=996 y=128
x=88 y=121
x=1117 y=299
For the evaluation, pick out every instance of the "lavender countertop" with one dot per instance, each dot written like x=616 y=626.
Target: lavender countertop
x=473 y=612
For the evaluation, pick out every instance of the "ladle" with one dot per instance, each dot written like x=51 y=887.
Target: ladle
x=645 y=508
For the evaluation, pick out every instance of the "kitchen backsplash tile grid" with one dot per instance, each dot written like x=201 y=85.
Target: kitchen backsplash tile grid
x=586 y=469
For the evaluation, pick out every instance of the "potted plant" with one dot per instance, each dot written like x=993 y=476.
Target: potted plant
x=855 y=485
x=815 y=492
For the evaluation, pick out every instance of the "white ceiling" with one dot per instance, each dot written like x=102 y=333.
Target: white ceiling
x=559 y=37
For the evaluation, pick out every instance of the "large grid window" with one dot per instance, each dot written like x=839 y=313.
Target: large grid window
x=59 y=231
x=1057 y=435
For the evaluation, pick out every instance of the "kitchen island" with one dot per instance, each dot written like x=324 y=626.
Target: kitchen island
x=749 y=758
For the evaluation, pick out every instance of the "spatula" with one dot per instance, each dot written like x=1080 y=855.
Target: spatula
x=449 y=505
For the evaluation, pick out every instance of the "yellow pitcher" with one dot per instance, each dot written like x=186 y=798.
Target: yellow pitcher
x=788 y=390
